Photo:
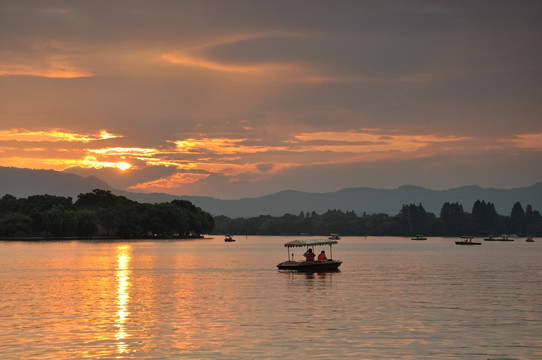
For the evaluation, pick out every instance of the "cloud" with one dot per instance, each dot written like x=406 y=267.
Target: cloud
x=527 y=141
x=219 y=97
x=44 y=58
x=53 y=135
x=186 y=164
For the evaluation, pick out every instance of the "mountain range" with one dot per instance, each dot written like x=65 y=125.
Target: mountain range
x=25 y=182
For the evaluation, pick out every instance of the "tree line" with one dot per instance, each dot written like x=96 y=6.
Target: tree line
x=100 y=213
x=412 y=219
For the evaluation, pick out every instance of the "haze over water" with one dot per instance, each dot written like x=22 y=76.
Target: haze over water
x=206 y=299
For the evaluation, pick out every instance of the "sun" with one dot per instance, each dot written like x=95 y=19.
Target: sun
x=124 y=166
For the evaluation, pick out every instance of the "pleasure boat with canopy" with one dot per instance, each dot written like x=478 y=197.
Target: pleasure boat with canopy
x=310 y=266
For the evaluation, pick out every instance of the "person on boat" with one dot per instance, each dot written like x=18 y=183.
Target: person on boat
x=322 y=256
x=309 y=255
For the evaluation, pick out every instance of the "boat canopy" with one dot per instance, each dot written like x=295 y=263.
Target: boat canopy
x=309 y=242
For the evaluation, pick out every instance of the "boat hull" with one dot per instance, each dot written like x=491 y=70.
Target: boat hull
x=467 y=243
x=311 y=266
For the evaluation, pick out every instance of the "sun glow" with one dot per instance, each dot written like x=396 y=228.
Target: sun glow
x=123 y=166
x=198 y=161
x=92 y=162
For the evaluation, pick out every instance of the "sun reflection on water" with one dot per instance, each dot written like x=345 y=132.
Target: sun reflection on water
x=124 y=255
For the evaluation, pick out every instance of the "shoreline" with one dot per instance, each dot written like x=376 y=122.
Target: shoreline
x=98 y=238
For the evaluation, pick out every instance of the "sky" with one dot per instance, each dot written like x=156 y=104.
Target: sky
x=234 y=99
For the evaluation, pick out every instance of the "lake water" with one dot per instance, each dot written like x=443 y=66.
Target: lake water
x=206 y=299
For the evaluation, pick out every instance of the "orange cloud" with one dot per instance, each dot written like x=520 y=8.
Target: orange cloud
x=235 y=158
x=367 y=141
x=180 y=58
x=19 y=154
x=301 y=72
x=122 y=151
x=61 y=164
x=197 y=56
x=50 y=59
x=57 y=70
x=92 y=162
x=527 y=141
x=53 y=136
x=222 y=146
x=170 y=181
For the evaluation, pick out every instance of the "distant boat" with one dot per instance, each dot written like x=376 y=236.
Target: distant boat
x=328 y=265
x=419 y=237
x=529 y=239
x=334 y=237
x=228 y=238
x=467 y=241
x=503 y=237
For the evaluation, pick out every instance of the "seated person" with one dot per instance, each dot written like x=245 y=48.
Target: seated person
x=309 y=255
x=322 y=256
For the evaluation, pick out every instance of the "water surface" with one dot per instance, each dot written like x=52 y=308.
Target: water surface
x=206 y=299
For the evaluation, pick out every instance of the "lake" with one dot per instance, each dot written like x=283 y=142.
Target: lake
x=207 y=299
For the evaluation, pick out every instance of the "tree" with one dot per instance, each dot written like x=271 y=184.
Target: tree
x=485 y=218
x=454 y=218
x=86 y=223
x=413 y=219
x=15 y=224
x=516 y=223
x=533 y=221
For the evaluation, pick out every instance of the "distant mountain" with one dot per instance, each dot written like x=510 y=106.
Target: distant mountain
x=371 y=200
x=26 y=182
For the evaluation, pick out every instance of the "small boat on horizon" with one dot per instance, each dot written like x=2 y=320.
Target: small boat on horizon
x=529 y=239
x=419 y=237
x=228 y=238
x=503 y=237
x=467 y=241
x=334 y=237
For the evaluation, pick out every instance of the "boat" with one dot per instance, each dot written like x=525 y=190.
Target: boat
x=328 y=265
x=529 y=239
x=228 y=238
x=467 y=241
x=503 y=237
x=419 y=237
x=334 y=237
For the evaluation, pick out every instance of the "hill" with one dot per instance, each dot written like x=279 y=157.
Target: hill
x=26 y=182
x=371 y=200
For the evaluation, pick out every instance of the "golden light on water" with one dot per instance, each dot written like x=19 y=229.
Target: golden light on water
x=123 y=295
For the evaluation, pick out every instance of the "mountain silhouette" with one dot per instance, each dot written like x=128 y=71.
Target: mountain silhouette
x=25 y=182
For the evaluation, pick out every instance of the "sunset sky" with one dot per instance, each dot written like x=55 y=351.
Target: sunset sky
x=236 y=99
